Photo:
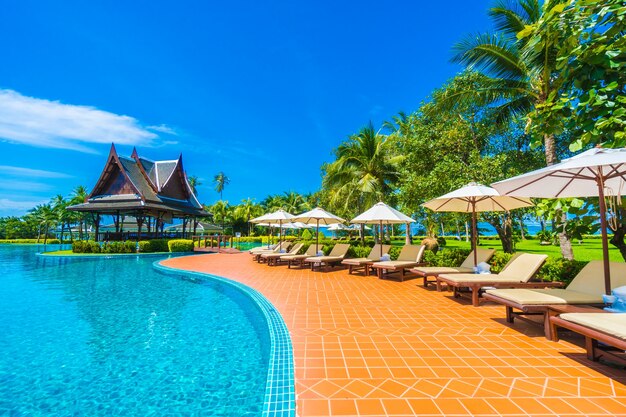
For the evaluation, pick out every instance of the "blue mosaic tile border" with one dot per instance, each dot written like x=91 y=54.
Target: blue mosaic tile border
x=280 y=392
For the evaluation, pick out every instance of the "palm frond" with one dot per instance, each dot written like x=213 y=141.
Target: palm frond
x=490 y=54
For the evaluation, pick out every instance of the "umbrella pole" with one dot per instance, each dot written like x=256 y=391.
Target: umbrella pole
x=317 y=235
x=280 y=234
x=474 y=233
x=605 y=240
x=380 y=231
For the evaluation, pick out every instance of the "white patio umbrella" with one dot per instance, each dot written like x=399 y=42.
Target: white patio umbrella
x=318 y=216
x=276 y=218
x=474 y=198
x=588 y=174
x=381 y=213
x=337 y=227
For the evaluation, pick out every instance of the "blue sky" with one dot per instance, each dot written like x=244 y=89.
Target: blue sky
x=260 y=90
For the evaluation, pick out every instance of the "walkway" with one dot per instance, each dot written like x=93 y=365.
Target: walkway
x=369 y=347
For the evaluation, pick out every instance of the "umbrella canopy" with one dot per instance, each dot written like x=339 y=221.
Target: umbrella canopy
x=277 y=217
x=474 y=198
x=381 y=213
x=318 y=216
x=588 y=174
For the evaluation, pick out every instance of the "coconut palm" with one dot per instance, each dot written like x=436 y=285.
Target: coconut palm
x=194 y=183
x=247 y=210
x=363 y=172
x=514 y=81
x=79 y=195
x=62 y=216
x=220 y=181
x=220 y=211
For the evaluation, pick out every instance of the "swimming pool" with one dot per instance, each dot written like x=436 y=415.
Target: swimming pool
x=102 y=337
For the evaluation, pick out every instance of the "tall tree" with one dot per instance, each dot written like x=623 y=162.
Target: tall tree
x=79 y=195
x=220 y=181
x=194 y=183
x=247 y=210
x=364 y=171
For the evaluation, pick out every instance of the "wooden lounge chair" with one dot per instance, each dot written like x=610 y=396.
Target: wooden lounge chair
x=299 y=259
x=515 y=274
x=609 y=329
x=340 y=250
x=410 y=256
x=281 y=248
x=482 y=255
x=263 y=249
x=585 y=289
x=358 y=263
x=275 y=258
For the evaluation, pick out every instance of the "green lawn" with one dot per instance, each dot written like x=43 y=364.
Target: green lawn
x=587 y=251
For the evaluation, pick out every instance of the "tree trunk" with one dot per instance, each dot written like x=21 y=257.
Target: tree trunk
x=62 y=230
x=466 y=232
x=69 y=227
x=564 y=241
x=504 y=230
x=45 y=236
x=362 y=231
x=550 y=149
x=521 y=227
x=618 y=239
x=407 y=234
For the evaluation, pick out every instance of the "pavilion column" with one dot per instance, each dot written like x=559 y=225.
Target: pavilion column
x=140 y=220
x=117 y=222
x=97 y=221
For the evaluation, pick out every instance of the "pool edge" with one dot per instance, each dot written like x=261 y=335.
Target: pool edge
x=280 y=394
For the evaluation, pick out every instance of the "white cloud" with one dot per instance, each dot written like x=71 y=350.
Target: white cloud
x=23 y=186
x=163 y=129
x=28 y=172
x=17 y=208
x=51 y=124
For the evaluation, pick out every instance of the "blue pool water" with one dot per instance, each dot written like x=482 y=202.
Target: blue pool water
x=115 y=337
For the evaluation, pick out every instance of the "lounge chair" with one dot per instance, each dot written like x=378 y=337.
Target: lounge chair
x=299 y=259
x=358 y=263
x=585 y=289
x=610 y=329
x=340 y=250
x=263 y=248
x=482 y=255
x=281 y=248
x=410 y=256
x=515 y=274
x=275 y=258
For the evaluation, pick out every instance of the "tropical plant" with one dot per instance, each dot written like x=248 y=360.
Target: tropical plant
x=194 y=183
x=247 y=210
x=220 y=211
x=220 y=181
x=364 y=171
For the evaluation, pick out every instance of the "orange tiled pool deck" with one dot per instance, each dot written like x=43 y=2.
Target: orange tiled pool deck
x=370 y=347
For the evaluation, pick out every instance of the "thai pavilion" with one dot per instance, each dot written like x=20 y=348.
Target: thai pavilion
x=152 y=192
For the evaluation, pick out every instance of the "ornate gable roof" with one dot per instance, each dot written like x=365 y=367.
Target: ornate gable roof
x=138 y=183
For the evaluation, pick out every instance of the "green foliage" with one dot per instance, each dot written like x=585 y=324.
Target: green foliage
x=499 y=260
x=578 y=222
x=153 y=245
x=394 y=252
x=591 y=56
x=307 y=235
x=85 y=246
x=359 y=251
x=180 y=245
x=446 y=257
x=559 y=269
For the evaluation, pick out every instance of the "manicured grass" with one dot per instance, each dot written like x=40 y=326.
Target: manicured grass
x=588 y=250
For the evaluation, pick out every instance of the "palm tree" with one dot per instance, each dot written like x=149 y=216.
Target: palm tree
x=79 y=195
x=220 y=211
x=363 y=172
x=220 y=181
x=295 y=203
x=247 y=210
x=194 y=183
x=59 y=205
x=514 y=79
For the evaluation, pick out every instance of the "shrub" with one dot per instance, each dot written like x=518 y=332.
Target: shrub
x=85 y=246
x=180 y=245
x=498 y=261
x=394 y=252
x=23 y=241
x=359 y=251
x=306 y=235
x=431 y=244
x=559 y=269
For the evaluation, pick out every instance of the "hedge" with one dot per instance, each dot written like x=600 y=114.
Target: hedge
x=180 y=245
x=131 y=246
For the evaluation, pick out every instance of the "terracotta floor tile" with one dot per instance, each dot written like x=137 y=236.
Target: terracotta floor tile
x=423 y=407
x=397 y=407
x=342 y=408
x=380 y=345
x=367 y=407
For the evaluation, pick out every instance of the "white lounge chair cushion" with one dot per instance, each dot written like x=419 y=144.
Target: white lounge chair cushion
x=524 y=296
x=394 y=264
x=356 y=261
x=438 y=270
x=613 y=323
